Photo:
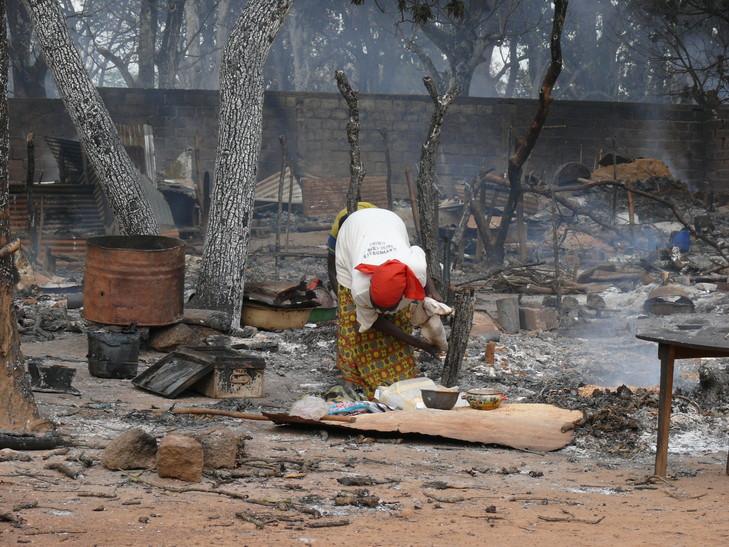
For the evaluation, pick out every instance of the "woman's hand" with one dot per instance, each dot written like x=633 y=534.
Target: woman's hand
x=431 y=349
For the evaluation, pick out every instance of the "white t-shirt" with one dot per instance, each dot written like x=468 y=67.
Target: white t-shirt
x=374 y=236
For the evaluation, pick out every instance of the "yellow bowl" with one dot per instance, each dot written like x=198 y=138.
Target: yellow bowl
x=484 y=399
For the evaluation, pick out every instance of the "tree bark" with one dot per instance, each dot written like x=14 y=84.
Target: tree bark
x=118 y=177
x=145 y=47
x=220 y=285
x=526 y=144
x=427 y=193
x=29 y=69
x=460 y=331
x=193 y=74
x=356 y=169
x=18 y=411
x=168 y=56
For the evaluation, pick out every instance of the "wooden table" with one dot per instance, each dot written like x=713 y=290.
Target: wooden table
x=680 y=337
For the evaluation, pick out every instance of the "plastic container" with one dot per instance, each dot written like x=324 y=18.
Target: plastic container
x=682 y=240
x=113 y=354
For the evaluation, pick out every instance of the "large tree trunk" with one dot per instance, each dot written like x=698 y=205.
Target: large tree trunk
x=220 y=286
x=145 y=47
x=168 y=57
x=118 y=177
x=18 y=411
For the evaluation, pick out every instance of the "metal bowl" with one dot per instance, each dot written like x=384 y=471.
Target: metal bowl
x=437 y=398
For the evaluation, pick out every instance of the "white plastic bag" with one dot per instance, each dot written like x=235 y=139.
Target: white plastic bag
x=406 y=394
x=426 y=314
x=310 y=408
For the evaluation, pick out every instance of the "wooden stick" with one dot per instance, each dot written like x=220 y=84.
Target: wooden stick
x=250 y=416
x=555 y=250
x=468 y=195
x=288 y=211
x=413 y=204
x=521 y=229
x=279 y=201
x=388 y=164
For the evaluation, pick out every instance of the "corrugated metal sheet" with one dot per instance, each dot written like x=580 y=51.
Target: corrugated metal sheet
x=267 y=189
x=325 y=197
x=496 y=196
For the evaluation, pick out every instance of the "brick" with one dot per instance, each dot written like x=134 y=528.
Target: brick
x=538 y=318
x=180 y=457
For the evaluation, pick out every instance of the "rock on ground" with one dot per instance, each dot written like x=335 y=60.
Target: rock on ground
x=133 y=449
x=222 y=447
x=180 y=457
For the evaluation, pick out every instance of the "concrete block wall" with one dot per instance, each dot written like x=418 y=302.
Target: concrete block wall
x=475 y=134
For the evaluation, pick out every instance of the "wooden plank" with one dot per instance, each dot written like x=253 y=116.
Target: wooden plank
x=523 y=426
x=687 y=331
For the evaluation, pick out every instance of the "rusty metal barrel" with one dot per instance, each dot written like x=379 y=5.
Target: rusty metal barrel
x=134 y=280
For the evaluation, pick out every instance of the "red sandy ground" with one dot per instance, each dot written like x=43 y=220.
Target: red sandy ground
x=688 y=511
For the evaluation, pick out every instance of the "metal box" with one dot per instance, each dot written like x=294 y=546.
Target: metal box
x=235 y=374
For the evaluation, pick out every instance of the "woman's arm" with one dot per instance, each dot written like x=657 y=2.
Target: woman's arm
x=332 y=270
x=386 y=326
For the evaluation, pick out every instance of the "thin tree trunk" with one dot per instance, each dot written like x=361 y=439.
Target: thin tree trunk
x=18 y=411
x=427 y=193
x=221 y=34
x=513 y=67
x=526 y=144
x=356 y=169
x=168 y=56
x=145 y=48
x=220 y=285
x=29 y=69
x=192 y=51
x=118 y=177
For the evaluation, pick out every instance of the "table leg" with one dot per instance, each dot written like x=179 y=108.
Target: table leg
x=666 y=354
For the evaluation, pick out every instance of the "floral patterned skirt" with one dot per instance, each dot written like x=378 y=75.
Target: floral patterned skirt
x=371 y=358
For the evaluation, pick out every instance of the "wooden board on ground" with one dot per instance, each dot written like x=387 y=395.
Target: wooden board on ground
x=524 y=426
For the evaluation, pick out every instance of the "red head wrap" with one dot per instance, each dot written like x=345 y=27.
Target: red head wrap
x=390 y=282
